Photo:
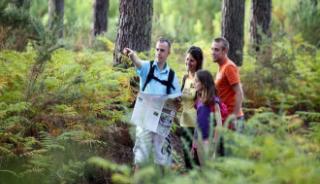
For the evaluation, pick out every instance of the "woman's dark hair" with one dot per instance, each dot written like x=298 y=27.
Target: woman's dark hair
x=196 y=53
x=209 y=91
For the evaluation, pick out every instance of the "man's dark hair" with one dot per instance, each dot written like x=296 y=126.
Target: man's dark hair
x=224 y=42
x=164 y=40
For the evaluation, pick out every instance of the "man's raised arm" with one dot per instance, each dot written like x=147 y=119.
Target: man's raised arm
x=133 y=57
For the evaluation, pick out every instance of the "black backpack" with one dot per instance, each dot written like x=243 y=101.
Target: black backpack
x=151 y=76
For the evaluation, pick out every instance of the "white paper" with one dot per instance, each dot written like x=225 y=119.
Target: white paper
x=154 y=113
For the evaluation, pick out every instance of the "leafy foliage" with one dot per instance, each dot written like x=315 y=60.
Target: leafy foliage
x=62 y=111
x=288 y=81
x=17 y=26
x=305 y=17
x=170 y=15
x=265 y=152
x=73 y=97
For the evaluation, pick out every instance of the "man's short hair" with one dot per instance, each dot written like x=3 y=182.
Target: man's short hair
x=164 y=40
x=225 y=43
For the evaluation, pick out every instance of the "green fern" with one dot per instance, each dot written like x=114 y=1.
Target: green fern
x=309 y=116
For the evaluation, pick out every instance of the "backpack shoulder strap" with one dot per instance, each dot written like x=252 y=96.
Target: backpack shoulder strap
x=212 y=106
x=170 y=81
x=149 y=76
x=223 y=108
x=217 y=100
x=184 y=81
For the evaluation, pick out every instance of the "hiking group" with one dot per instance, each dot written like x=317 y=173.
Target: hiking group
x=199 y=96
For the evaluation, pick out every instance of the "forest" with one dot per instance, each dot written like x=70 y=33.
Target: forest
x=67 y=91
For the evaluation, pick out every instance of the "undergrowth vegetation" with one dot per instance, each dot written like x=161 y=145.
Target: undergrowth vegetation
x=60 y=132
x=64 y=108
x=61 y=123
x=269 y=151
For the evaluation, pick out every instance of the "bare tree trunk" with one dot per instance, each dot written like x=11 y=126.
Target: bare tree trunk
x=56 y=13
x=232 y=28
x=100 y=19
x=135 y=25
x=260 y=22
x=260 y=40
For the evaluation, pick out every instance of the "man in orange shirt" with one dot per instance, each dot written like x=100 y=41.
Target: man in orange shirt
x=227 y=81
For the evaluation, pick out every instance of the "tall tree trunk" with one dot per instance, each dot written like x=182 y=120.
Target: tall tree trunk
x=100 y=19
x=135 y=25
x=260 y=21
x=232 y=28
x=56 y=13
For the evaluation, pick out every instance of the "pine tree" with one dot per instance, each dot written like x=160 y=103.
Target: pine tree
x=232 y=28
x=135 y=25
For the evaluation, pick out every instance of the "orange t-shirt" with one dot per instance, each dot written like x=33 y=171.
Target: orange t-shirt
x=227 y=76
